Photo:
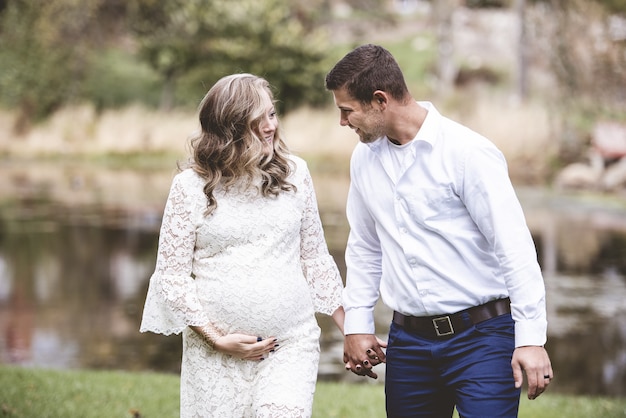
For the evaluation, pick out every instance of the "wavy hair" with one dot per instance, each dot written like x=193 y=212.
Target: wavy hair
x=228 y=150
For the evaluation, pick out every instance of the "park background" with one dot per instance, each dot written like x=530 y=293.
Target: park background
x=98 y=99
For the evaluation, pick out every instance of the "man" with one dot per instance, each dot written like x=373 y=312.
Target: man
x=436 y=230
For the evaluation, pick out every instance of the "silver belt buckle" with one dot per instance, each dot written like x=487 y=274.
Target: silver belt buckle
x=443 y=326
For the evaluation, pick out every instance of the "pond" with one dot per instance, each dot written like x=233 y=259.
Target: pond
x=78 y=244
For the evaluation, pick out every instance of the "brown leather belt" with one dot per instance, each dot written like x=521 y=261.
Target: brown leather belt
x=444 y=326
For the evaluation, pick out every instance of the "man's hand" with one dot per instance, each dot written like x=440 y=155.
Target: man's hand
x=535 y=363
x=361 y=352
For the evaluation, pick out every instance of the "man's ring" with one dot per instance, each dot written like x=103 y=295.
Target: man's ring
x=546 y=376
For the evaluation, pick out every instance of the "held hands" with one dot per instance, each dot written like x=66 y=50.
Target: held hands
x=361 y=352
x=245 y=347
x=535 y=363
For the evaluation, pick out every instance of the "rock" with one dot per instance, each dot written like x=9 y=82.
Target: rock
x=609 y=139
x=614 y=177
x=582 y=175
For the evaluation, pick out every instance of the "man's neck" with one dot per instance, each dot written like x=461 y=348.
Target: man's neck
x=406 y=123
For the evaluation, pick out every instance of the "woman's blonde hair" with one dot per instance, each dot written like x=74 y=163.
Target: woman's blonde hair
x=228 y=149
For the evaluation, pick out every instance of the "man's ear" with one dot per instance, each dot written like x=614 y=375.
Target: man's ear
x=380 y=98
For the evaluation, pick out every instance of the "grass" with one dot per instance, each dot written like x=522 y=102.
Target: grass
x=50 y=393
x=27 y=393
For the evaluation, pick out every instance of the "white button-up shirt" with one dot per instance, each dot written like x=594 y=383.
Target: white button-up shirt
x=442 y=234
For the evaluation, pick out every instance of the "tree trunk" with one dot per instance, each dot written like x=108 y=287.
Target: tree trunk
x=446 y=68
x=522 y=51
x=167 y=95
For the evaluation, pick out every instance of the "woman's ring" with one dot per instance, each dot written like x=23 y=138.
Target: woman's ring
x=546 y=376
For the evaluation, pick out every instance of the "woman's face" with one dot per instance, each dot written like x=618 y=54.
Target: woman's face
x=267 y=126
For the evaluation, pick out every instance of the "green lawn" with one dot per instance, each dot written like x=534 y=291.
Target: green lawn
x=30 y=393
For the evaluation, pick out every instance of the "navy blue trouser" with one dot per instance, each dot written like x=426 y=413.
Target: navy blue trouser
x=471 y=370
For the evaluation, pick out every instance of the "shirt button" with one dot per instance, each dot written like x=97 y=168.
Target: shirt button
x=403 y=230
x=423 y=293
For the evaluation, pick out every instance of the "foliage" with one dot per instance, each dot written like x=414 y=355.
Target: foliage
x=47 y=48
x=117 y=78
x=59 y=52
x=103 y=394
x=40 y=66
x=417 y=66
x=207 y=39
x=614 y=6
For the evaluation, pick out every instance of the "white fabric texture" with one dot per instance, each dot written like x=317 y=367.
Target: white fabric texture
x=257 y=265
x=445 y=235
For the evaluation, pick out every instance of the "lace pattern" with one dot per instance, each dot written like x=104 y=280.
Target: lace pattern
x=172 y=301
x=257 y=265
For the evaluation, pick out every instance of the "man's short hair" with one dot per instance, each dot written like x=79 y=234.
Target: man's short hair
x=366 y=69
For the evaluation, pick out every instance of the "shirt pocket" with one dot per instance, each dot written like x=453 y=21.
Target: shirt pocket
x=428 y=206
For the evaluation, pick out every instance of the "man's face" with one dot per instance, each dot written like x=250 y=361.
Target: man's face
x=367 y=121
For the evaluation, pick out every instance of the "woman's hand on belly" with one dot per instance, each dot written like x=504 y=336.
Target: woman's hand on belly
x=245 y=347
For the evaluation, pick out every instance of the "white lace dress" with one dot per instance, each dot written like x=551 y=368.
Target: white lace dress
x=259 y=266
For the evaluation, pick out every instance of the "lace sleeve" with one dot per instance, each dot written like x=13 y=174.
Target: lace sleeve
x=318 y=265
x=172 y=303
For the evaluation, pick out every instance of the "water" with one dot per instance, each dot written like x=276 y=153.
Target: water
x=78 y=245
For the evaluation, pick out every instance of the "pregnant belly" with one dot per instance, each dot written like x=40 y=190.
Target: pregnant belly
x=258 y=305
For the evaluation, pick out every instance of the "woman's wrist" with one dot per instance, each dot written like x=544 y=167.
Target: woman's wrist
x=209 y=332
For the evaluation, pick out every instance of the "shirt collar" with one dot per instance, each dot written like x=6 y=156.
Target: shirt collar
x=428 y=131
x=426 y=134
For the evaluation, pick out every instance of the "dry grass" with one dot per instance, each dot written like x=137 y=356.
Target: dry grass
x=523 y=132
x=317 y=132
x=80 y=130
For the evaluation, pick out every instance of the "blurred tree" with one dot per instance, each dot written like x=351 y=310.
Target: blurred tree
x=522 y=50
x=168 y=33
x=44 y=50
x=447 y=70
x=37 y=69
x=276 y=39
x=613 y=6
x=587 y=56
x=49 y=49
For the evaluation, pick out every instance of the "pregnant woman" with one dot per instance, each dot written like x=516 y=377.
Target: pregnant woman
x=242 y=264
